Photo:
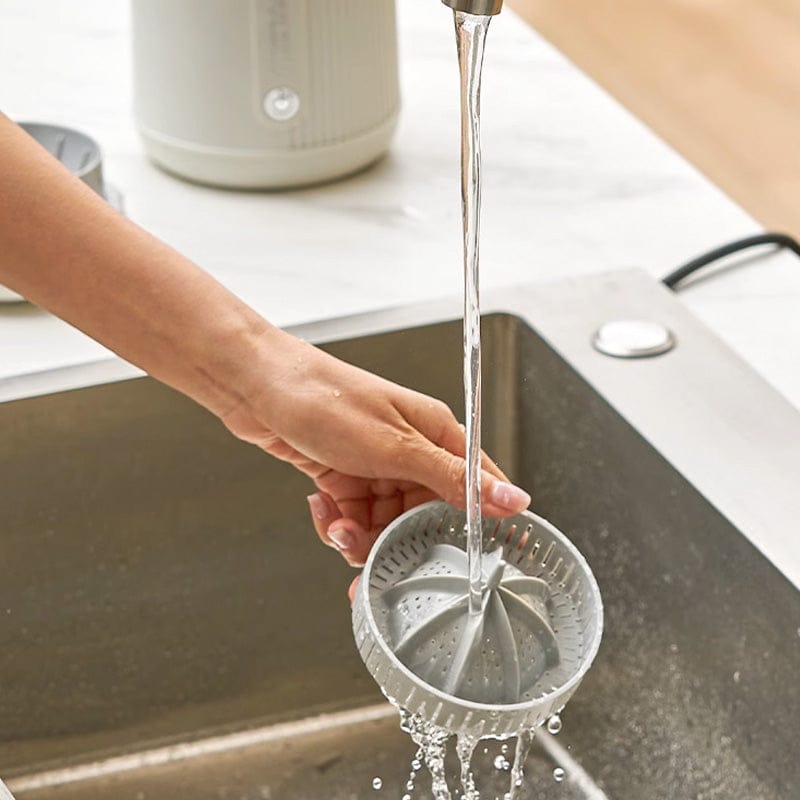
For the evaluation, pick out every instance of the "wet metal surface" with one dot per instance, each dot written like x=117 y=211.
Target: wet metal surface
x=339 y=763
x=162 y=585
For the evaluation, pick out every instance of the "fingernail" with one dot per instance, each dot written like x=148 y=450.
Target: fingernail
x=342 y=538
x=318 y=505
x=506 y=495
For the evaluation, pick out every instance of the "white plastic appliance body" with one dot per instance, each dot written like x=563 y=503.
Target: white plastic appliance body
x=265 y=93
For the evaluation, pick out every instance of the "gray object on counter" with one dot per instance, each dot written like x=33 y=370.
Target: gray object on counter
x=81 y=155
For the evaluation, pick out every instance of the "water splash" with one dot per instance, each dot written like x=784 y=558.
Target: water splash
x=465 y=747
x=554 y=725
x=501 y=762
x=432 y=742
x=524 y=742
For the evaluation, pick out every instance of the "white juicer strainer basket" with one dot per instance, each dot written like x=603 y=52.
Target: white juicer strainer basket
x=495 y=673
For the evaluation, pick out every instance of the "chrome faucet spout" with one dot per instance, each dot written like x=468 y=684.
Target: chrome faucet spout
x=480 y=7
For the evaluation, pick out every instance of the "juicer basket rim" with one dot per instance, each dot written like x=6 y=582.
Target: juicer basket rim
x=564 y=689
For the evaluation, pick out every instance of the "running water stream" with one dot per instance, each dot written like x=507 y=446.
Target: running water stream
x=432 y=740
x=470 y=38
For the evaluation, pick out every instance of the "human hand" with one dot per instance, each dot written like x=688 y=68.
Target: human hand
x=373 y=448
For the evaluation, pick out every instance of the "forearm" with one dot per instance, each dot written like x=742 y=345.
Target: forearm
x=373 y=448
x=65 y=249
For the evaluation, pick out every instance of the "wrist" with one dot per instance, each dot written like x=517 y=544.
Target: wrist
x=234 y=361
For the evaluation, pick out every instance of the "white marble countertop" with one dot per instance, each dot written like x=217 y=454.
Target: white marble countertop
x=573 y=184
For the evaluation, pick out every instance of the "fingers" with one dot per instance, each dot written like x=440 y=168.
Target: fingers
x=324 y=512
x=454 y=439
x=342 y=533
x=437 y=423
x=501 y=498
x=351 y=591
x=387 y=506
x=351 y=540
x=439 y=462
x=445 y=474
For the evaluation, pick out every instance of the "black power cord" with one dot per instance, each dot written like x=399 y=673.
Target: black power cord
x=780 y=240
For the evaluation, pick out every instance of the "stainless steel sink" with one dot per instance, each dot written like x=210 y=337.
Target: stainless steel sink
x=170 y=627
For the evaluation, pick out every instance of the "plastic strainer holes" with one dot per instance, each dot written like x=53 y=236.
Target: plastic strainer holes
x=500 y=671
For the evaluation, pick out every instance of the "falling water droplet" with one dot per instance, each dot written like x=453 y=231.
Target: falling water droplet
x=406 y=797
x=554 y=724
x=558 y=774
x=523 y=746
x=504 y=749
x=377 y=783
x=501 y=762
x=410 y=786
x=416 y=764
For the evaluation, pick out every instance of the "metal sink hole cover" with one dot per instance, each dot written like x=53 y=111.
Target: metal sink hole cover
x=633 y=338
x=494 y=673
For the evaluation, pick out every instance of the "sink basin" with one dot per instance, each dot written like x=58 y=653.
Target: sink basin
x=171 y=627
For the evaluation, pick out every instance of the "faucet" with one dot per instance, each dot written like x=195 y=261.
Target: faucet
x=481 y=7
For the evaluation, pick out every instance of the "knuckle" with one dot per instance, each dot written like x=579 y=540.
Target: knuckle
x=443 y=410
x=454 y=473
x=447 y=419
